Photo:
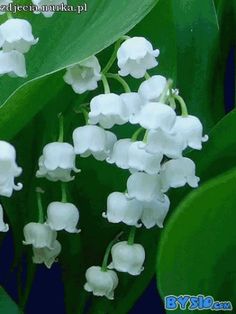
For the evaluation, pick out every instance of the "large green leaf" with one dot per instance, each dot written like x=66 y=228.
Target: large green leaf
x=7 y=306
x=197 y=252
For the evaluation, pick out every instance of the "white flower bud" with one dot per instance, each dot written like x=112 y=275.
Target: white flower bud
x=57 y=162
x=8 y=170
x=84 y=75
x=154 y=212
x=144 y=187
x=45 y=255
x=47 y=13
x=151 y=89
x=119 y=154
x=16 y=34
x=154 y=116
x=63 y=216
x=3 y=227
x=93 y=140
x=101 y=283
x=108 y=110
x=177 y=172
x=136 y=56
x=39 y=235
x=127 y=258
x=4 y=3
x=122 y=209
x=190 y=129
x=12 y=63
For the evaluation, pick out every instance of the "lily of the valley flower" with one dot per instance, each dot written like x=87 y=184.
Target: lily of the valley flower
x=42 y=3
x=3 y=226
x=190 y=129
x=8 y=170
x=177 y=172
x=45 y=255
x=16 y=34
x=12 y=63
x=122 y=209
x=127 y=258
x=108 y=110
x=155 y=115
x=63 y=216
x=39 y=235
x=119 y=154
x=57 y=162
x=136 y=56
x=144 y=187
x=151 y=89
x=84 y=75
x=93 y=140
x=101 y=283
x=133 y=103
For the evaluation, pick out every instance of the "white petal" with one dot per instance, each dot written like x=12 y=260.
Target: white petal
x=39 y=235
x=119 y=155
x=151 y=89
x=45 y=255
x=12 y=63
x=3 y=227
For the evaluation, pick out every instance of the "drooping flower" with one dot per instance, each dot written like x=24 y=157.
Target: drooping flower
x=63 y=216
x=122 y=209
x=177 y=172
x=45 y=255
x=57 y=162
x=119 y=154
x=136 y=56
x=155 y=115
x=133 y=103
x=93 y=140
x=108 y=110
x=154 y=212
x=3 y=226
x=16 y=34
x=84 y=75
x=127 y=258
x=39 y=235
x=190 y=128
x=101 y=283
x=8 y=170
x=144 y=187
x=4 y=3
x=12 y=63
x=151 y=89
x=44 y=6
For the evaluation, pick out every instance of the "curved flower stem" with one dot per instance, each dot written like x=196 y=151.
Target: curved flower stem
x=108 y=250
x=105 y=85
x=147 y=76
x=145 y=137
x=120 y=80
x=85 y=114
x=63 y=192
x=136 y=134
x=131 y=236
x=183 y=105
x=61 y=128
x=164 y=95
x=39 y=191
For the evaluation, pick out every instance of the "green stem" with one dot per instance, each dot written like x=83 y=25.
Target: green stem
x=105 y=85
x=164 y=95
x=63 y=192
x=120 y=80
x=131 y=236
x=147 y=76
x=39 y=191
x=136 y=134
x=61 y=128
x=85 y=114
x=145 y=137
x=183 y=105
x=108 y=250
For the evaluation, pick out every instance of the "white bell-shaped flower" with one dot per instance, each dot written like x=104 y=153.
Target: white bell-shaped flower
x=2 y=4
x=136 y=56
x=122 y=209
x=155 y=115
x=190 y=128
x=12 y=63
x=39 y=235
x=127 y=258
x=101 y=283
x=170 y=145
x=3 y=226
x=119 y=154
x=177 y=172
x=63 y=216
x=144 y=187
x=84 y=75
x=57 y=162
x=44 y=6
x=133 y=103
x=16 y=34
x=141 y=160
x=151 y=89
x=93 y=140
x=108 y=110
x=154 y=212
x=8 y=170
x=45 y=255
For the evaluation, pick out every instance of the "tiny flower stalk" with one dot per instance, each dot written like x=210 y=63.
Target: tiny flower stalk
x=61 y=128
x=183 y=105
x=39 y=191
x=136 y=134
x=105 y=85
x=131 y=236
x=119 y=79
x=147 y=76
x=164 y=95
x=63 y=193
x=108 y=251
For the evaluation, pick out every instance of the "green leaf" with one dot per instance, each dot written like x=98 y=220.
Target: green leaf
x=7 y=305
x=197 y=250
